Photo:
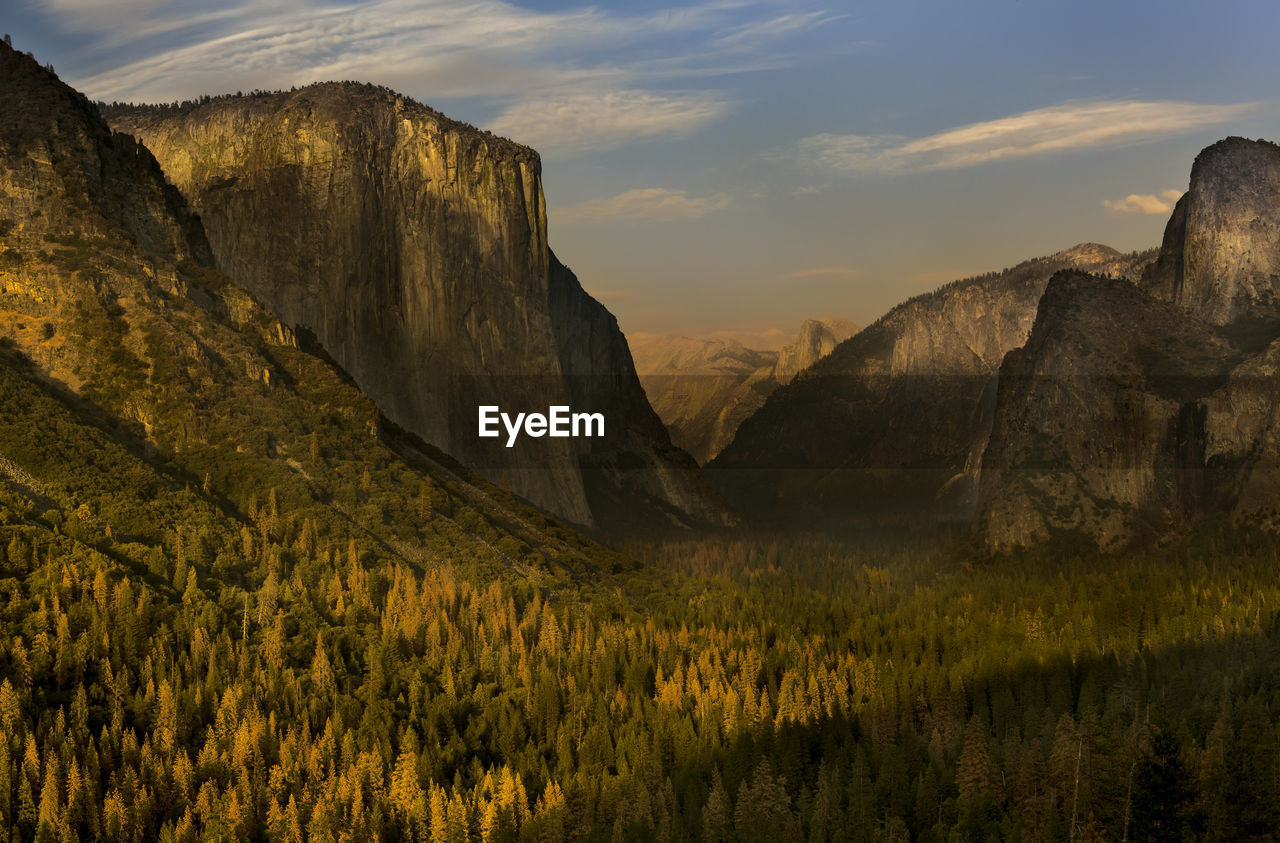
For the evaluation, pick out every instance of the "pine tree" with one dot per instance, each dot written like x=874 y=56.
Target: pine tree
x=717 y=824
x=973 y=780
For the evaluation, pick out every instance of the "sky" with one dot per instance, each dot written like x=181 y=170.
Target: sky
x=734 y=166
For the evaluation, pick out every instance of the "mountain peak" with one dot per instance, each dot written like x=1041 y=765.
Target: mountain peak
x=1234 y=149
x=1220 y=259
x=1088 y=253
x=72 y=171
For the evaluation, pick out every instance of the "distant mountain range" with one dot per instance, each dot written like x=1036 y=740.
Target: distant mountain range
x=703 y=388
x=893 y=422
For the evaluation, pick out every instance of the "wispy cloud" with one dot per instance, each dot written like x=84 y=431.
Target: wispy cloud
x=809 y=190
x=827 y=272
x=1144 y=203
x=566 y=80
x=752 y=34
x=652 y=203
x=581 y=120
x=1073 y=125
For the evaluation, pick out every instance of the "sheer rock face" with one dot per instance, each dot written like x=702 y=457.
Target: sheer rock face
x=894 y=421
x=1220 y=259
x=704 y=388
x=414 y=248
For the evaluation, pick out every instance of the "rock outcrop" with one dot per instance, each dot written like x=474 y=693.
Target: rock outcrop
x=817 y=339
x=1135 y=410
x=1220 y=259
x=704 y=388
x=1100 y=425
x=414 y=249
x=895 y=420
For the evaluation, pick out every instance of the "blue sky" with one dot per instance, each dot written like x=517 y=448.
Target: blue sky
x=737 y=165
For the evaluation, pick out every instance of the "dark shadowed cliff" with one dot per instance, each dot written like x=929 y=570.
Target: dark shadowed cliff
x=414 y=248
x=893 y=422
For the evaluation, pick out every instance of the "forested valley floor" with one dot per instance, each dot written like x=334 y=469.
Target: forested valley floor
x=726 y=688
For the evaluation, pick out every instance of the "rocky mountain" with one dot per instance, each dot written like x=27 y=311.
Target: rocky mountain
x=703 y=388
x=895 y=420
x=153 y=410
x=817 y=339
x=1220 y=259
x=414 y=250
x=1134 y=410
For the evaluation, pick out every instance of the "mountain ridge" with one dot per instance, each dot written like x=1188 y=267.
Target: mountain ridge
x=893 y=422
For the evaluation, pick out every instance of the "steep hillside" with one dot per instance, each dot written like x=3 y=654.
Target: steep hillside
x=414 y=249
x=703 y=389
x=894 y=421
x=107 y=303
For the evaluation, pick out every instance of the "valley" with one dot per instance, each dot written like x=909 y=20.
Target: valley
x=289 y=549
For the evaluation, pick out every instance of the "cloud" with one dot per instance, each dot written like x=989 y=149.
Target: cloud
x=751 y=35
x=450 y=48
x=1073 y=125
x=1144 y=203
x=831 y=272
x=809 y=190
x=99 y=14
x=588 y=120
x=651 y=203
x=567 y=80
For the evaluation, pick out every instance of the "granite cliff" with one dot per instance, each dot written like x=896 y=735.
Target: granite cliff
x=1100 y=425
x=703 y=388
x=1220 y=259
x=414 y=250
x=894 y=421
x=1135 y=410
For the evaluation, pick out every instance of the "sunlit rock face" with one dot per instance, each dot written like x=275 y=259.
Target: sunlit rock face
x=1220 y=259
x=414 y=249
